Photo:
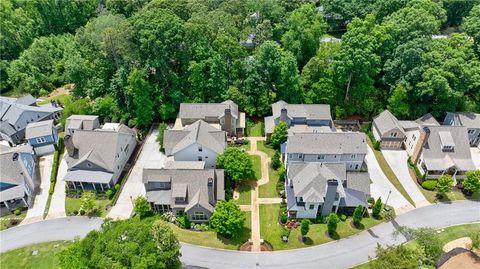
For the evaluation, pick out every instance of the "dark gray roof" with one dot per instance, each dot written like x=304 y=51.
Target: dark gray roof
x=82 y=122
x=202 y=111
x=427 y=120
x=88 y=176
x=359 y=181
x=327 y=143
x=467 y=119
x=354 y=198
x=308 y=111
x=385 y=122
x=199 y=132
x=38 y=129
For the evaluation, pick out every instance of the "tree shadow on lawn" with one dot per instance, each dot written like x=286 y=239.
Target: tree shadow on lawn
x=305 y=240
x=236 y=240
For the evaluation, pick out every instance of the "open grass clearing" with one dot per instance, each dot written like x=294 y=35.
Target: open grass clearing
x=46 y=256
x=245 y=191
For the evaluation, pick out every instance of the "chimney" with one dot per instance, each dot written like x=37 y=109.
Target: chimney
x=332 y=185
x=211 y=192
x=69 y=145
x=227 y=125
x=283 y=115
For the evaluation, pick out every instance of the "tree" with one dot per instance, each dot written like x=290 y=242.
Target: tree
x=88 y=202
x=141 y=207
x=471 y=25
x=304 y=227
x=130 y=243
x=398 y=102
x=140 y=91
x=276 y=162
x=358 y=215
x=377 y=208
x=472 y=181
x=237 y=164
x=227 y=219
x=396 y=257
x=332 y=221
x=279 y=134
x=428 y=240
x=445 y=184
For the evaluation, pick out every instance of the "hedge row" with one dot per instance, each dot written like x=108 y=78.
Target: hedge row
x=55 y=164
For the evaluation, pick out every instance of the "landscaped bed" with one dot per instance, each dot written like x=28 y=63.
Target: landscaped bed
x=73 y=205
x=39 y=256
x=11 y=220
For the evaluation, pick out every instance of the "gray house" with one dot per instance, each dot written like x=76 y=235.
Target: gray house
x=469 y=120
x=198 y=141
x=96 y=157
x=318 y=189
x=184 y=187
x=16 y=114
x=302 y=117
x=388 y=130
x=224 y=116
x=42 y=136
x=17 y=178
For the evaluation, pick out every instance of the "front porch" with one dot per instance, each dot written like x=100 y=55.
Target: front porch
x=89 y=186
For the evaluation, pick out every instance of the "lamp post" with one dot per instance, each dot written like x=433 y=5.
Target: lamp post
x=389 y=192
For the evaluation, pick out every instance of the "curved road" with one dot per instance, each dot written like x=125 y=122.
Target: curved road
x=344 y=253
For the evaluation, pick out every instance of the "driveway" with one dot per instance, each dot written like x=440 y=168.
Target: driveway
x=150 y=155
x=397 y=160
x=476 y=156
x=35 y=213
x=343 y=253
x=57 y=204
x=381 y=186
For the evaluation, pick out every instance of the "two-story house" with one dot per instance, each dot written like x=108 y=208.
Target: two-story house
x=469 y=120
x=388 y=130
x=302 y=117
x=198 y=141
x=224 y=116
x=96 y=156
x=184 y=187
x=42 y=136
x=17 y=178
x=16 y=114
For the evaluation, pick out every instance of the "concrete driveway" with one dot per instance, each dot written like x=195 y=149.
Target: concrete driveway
x=476 y=156
x=150 y=155
x=57 y=204
x=381 y=186
x=397 y=160
x=35 y=213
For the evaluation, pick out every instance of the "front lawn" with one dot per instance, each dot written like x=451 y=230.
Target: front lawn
x=271 y=230
x=46 y=256
x=268 y=190
x=263 y=146
x=211 y=239
x=73 y=204
x=257 y=168
x=5 y=220
x=245 y=191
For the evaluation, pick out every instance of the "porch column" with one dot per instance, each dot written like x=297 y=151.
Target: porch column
x=23 y=199
x=108 y=184
x=74 y=184
x=95 y=188
x=81 y=185
x=6 y=205
x=101 y=186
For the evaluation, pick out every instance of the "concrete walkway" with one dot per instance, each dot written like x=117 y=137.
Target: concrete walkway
x=149 y=155
x=476 y=156
x=35 y=213
x=57 y=204
x=381 y=186
x=397 y=160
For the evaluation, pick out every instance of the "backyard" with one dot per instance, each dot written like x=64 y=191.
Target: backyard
x=46 y=256
x=255 y=128
x=257 y=168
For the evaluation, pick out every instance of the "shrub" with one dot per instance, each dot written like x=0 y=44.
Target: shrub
x=82 y=212
x=75 y=212
x=17 y=212
x=109 y=194
x=429 y=185
x=285 y=232
x=161 y=130
x=276 y=163
x=141 y=207
x=168 y=216
x=358 y=215
x=332 y=221
x=343 y=217
x=475 y=240
x=371 y=200
x=445 y=184
x=305 y=227
x=377 y=207
x=283 y=218
x=183 y=222
x=117 y=187
x=51 y=189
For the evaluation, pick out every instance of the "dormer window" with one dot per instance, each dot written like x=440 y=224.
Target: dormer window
x=471 y=131
x=353 y=156
x=447 y=148
x=300 y=156
x=40 y=140
x=393 y=134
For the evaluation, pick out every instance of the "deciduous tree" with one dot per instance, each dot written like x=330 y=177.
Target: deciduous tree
x=472 y=181
x=227 y=219
x=279 y=134
x=237 y=164
x=445 y=184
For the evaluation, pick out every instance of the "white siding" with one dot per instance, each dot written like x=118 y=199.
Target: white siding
x=192 y=153
x=411 y=142
x=307 y=213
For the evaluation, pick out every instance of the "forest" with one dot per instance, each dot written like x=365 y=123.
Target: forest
x=135 y=61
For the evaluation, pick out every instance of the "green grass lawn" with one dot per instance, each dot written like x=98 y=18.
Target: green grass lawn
x=268 y=190
x=263 y=146
x=63 y=98
x=257 y=169
x=72 y=204
x=388 y=172
x=446 y=235
x=47 y=257
x=270 y=230
x=5 y=220
x=245 y=191
x=210 y=238
x=256 y=129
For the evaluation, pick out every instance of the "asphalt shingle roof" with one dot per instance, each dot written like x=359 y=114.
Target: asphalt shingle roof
x=386 y=121
x=327 y=143
x=38 y=129
x=308 y=111
x=203 y=110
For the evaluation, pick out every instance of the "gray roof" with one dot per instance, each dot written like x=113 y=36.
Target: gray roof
x=189 y=183
x=38 y=129
x=203 y=110
x=385 y=122
x=269 y=124
x=437 y=159
x=359 y=181
x=327 y=143
x=199 y=132
x=427 y=120
x=467 y=119
x=184 y=165
x=82 y=122
x=13 y=172
x=88 y=176
x=308 y=111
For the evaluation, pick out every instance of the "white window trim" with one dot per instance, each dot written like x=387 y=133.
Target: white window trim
x=40 y=140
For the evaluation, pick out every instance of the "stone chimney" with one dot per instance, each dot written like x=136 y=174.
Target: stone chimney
x=283 y=115
x=211 y=192
x=332 y=185
x=227 y=124
x=69 y=145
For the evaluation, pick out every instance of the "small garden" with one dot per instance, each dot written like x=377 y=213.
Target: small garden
x=13 y=219
x=89 y=203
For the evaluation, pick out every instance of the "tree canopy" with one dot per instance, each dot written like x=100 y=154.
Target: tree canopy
x=227 y=219
x=237 y=164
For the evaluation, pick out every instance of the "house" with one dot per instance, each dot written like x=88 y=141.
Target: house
x=469 y=120
x=388 y=130
x=42 y=136
x=184 y=187
x=16 y=114
x=96 y=156
x=303 y=117
x=415 y=134
x=349 y=148
x=318 y=189
x=224 y=116
x=446 y=151
x=198 y=141
x=17 y=178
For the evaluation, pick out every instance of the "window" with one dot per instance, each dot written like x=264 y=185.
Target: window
x=126 y=148
x=471 y=131
x=301 y=199
x=200 y=148
x=312 y=207
x=414 y=137
x=179 y=199
x=200 y=158
x=321 y=157
x=89 y=165
x=300 y=156
x=352 y=156
x=356 y=167
x=41 y=140
x=393 y=134
x=199 y=216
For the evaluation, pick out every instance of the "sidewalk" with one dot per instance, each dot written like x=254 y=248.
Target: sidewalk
x=57 y=204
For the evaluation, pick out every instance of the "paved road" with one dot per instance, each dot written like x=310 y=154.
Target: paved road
x=476 y=156
x=57 y=204
x=397 y=159
x=35 y=213
x=381 y=186
x=149 y=156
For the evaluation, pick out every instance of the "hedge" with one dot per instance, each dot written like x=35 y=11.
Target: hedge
x=429 y=185
x=55 y=164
